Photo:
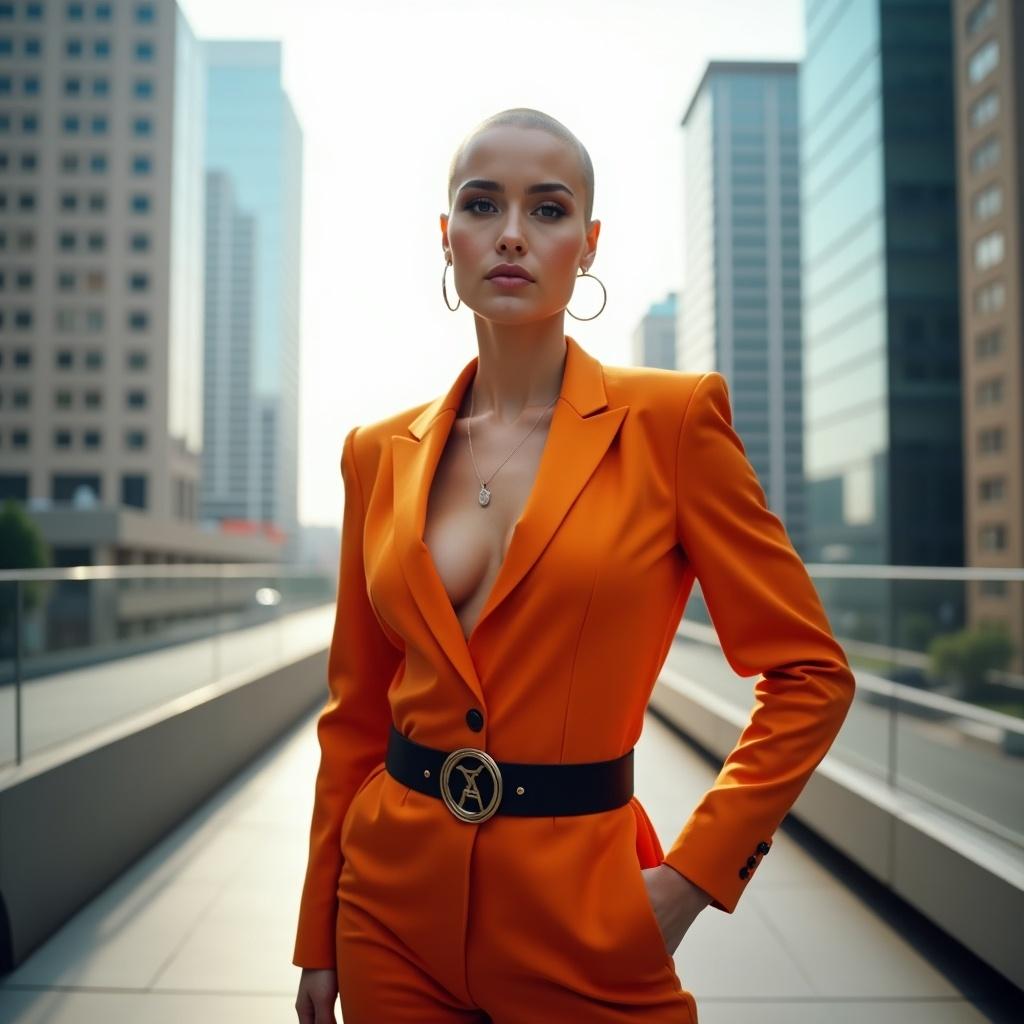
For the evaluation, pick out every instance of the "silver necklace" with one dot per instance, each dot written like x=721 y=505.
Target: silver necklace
x=484 y=497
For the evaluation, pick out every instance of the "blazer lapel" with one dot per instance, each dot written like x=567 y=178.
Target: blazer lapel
x=582 y=429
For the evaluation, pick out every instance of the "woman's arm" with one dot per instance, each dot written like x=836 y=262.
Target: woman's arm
x=769 y=620
x=352 y=728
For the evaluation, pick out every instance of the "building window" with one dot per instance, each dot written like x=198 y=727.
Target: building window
x=62 y=399
x=94 y=359
x=988 y=250
x=101 y=87
x=101 y=47
x=23 y=357
x=73 y=47
x=138 y=281
x=990 y=391
x=988 y=202
x=135 y=399
x=989 y=298
x=98 y=163
x=144 y=14
x=979 y=16
x=137 y=360
x=135 y=440
x=143 y=88
x=991 y=440
x=133 y=490
x=142 y=126
x=992 y=488
x=96 y=240
x=72 y=87
x=71 y=124
x=144 y=50
x=21 y=398
x=64 y=358
x=69 y=201
x=75 y=12
x=62 y=438
x=92 y=438
x=99 y=125
x=985 y=155
x=141 y=164
x=20 y=438
x=992 y=537
x=984 y=109
x=139 y=242
x=97 y=202
x=984 y=61
x=993 y=588
x=138 y=320
x=140 y=203
x=988 y=343
x=94 y=399
x=103 y=12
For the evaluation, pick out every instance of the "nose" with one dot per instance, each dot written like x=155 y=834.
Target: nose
x=511 y=236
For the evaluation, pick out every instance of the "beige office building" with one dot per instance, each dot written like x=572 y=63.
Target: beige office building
x=101 y=280
x=989 y=51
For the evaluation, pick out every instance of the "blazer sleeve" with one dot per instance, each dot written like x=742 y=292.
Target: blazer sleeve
x=351 y=729
x=770 y=621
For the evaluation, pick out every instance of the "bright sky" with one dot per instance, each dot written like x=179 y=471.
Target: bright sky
x=384 y=92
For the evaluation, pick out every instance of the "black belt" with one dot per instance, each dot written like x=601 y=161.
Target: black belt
x=474 y=786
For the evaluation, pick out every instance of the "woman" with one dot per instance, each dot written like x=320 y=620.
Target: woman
x=516 y=556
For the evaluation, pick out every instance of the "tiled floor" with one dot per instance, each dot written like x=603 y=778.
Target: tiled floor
x=201 y=929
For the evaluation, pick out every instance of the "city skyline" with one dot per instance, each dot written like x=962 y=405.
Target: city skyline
x=370 y=232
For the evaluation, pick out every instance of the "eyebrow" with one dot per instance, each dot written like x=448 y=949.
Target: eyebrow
x=493 y=186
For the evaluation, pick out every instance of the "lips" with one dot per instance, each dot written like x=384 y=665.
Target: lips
x=509 y=270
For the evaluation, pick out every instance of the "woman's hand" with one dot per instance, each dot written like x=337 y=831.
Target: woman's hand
x=318 y=989
x=676 y=902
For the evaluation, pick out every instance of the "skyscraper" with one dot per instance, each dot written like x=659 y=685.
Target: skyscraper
x=254 y=142
x=989 y=50
x=101 y=279
x=740 y=309
x=880 y=286
x=654 y=340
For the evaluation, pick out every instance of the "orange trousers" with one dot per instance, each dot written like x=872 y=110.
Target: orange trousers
x=500 y=921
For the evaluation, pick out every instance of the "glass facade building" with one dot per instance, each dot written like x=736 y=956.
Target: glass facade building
x=882 y=431
x=740 y=309
x=254 y=140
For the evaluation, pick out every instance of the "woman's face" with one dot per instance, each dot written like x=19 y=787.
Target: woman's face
x=496 y=218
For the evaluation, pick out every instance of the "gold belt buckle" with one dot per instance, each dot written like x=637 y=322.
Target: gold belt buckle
x=461 y=784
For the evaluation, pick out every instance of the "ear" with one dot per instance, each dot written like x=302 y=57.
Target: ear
x=590 y=252
x=444 y=232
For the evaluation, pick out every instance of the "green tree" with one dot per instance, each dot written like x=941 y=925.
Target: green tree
x=966 y=658
x=21 y=547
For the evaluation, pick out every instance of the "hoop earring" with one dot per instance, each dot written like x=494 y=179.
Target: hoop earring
x=586 y=273
x=444 y=290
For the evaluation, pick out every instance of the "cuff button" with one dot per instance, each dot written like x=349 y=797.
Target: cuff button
x=744 y=871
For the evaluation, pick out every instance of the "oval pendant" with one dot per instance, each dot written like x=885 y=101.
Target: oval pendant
x=485 y=495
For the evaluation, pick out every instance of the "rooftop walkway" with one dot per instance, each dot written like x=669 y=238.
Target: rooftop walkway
x=201 y=928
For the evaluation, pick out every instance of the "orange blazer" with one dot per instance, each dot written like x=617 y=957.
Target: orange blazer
x=643 y=486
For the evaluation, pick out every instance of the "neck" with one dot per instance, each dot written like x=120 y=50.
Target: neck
x=520 y=366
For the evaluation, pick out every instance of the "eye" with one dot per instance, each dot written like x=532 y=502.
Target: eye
x=471 y=205
x=559 y=212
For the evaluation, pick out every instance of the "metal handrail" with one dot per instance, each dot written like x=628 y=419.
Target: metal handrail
x=161 y=570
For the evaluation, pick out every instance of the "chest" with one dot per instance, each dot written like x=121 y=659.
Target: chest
x=468 y=542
